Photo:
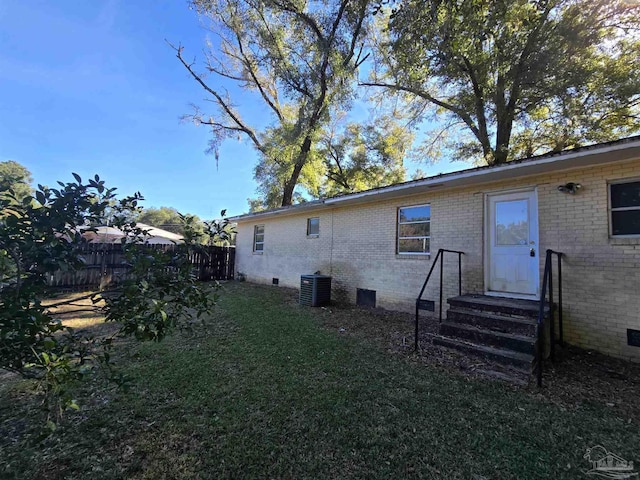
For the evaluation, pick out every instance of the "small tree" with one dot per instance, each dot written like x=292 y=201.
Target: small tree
x=42 y=234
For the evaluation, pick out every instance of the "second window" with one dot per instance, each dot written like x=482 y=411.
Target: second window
x=313 y=227
x=414 y=229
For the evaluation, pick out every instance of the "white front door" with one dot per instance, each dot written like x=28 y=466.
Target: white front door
x=513 y=243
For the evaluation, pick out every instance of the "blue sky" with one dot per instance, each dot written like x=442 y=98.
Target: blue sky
x=92 y=87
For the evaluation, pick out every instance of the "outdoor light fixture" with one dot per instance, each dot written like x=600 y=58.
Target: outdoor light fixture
x=570 y=187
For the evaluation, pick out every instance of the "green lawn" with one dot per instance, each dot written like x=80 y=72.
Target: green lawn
x=269 y=392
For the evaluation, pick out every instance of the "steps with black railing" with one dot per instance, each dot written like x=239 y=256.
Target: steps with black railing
x=521 y=362
x=503 y=330
x=492 y=321
x=491 y=338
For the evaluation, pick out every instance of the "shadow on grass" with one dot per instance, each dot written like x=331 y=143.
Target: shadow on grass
x=275 y=390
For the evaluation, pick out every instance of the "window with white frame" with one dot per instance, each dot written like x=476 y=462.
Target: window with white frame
x=414 y=230
x=624 y=197
x=313 y=227
x=258 y=238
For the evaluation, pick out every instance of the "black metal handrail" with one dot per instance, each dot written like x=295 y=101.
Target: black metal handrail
x=547 y=280
x=439 y=256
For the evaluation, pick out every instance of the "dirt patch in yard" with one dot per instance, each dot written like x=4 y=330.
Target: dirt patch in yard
x=577 y=377
x=582 y=376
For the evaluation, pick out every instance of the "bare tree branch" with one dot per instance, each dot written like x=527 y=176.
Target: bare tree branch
x=465 y=117
x=240 y=126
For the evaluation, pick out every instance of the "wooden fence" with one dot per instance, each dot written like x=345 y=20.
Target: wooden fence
x=105 y=264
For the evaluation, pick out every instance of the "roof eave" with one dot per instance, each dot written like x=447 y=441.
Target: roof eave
x=608 y=153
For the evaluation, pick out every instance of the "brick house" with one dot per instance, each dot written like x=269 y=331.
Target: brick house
x=584 y=203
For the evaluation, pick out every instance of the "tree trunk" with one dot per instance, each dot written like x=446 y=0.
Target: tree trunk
x=505 y=113
x=290 y=185
x=287 y=195
x=503 y=138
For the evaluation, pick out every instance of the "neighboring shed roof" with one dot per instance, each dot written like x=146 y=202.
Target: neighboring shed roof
x=158 y=232
x=105 y=234
x=597 y=154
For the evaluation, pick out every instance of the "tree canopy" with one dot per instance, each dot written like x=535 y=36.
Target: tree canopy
x=493 y=80
x=300 y=59
x=167 y=218
x=363 y=156
x=14 y=176
x=520 y=77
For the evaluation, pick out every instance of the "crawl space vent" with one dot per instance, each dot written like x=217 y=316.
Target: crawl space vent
x=366 y=298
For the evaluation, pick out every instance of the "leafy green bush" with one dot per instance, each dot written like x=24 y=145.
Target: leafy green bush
x=41 y=234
